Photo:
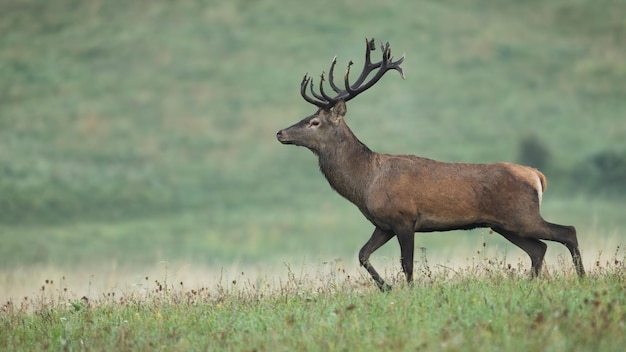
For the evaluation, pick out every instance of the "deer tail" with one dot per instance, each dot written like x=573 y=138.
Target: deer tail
x=542 y=184
x=542 y=180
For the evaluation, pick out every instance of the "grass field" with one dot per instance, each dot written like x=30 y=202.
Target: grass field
x=486 y=307
x=137 y=139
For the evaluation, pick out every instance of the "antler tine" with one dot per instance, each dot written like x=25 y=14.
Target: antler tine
x=307 y=82
x=368 y=67
x=324 y=95
x=331 y=77
x=384 y=65
x=390 y=64
x=346 y=78
x=324 y=101
x=316 y=95
x=396 y=66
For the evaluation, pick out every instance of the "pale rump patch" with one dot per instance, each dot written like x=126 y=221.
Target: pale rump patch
x=539 y=189
x=542 y=184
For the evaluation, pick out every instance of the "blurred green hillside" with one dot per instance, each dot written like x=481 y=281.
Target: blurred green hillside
x=142 y=130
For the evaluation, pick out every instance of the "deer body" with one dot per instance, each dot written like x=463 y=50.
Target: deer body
x=404 y=194
x=429 y=194
x=435 y=196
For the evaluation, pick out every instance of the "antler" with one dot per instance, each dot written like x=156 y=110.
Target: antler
x=324 y=101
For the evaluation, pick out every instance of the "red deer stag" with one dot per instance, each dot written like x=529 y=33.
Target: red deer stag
x=404 y=194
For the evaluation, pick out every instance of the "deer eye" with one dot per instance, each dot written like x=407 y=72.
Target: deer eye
x=314 y=123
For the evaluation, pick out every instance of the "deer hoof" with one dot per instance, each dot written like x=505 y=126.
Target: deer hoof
x=385 y=288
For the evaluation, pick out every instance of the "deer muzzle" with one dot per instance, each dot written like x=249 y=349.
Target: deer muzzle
x=281 y=136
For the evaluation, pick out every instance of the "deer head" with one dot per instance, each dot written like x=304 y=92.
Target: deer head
x=326 y=127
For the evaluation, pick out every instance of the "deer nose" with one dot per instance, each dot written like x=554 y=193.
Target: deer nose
x=282 y=137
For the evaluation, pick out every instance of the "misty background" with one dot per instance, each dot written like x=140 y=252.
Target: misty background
x=141 y=132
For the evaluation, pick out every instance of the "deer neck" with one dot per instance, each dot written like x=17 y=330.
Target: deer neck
x=347 y=167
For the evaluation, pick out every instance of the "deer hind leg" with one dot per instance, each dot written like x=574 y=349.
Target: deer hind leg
x=540 y=229
x=535 y=249
x=567 y=236
x=379 y=238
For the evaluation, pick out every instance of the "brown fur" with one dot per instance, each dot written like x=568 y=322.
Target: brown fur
x=404 y=194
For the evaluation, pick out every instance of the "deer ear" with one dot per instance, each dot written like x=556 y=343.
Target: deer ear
x=339 y=110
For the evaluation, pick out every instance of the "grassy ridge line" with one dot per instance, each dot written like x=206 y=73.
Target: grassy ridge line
x=470 y=309
x=335 y=229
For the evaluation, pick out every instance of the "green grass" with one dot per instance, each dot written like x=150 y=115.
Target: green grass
x=139 y=133
x=487 y=307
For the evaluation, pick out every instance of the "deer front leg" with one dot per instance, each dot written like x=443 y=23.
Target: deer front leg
x=379 y=238
x=406 y=238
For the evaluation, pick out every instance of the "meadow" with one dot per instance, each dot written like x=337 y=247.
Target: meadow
x=137 y=139
x=486 y=307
